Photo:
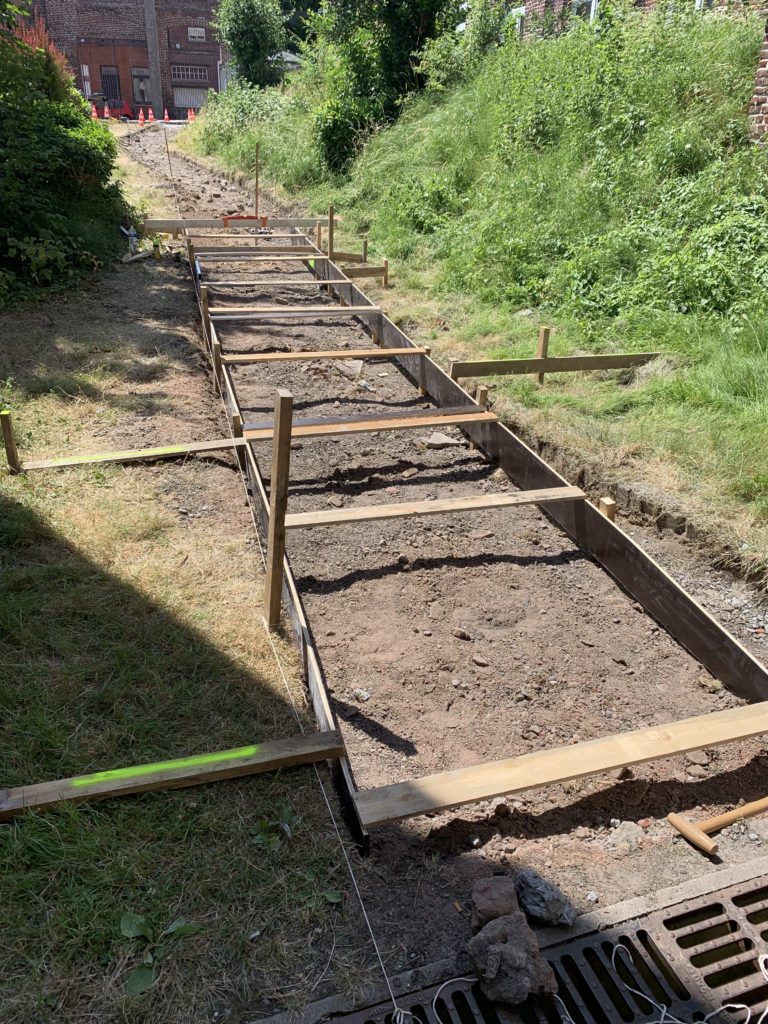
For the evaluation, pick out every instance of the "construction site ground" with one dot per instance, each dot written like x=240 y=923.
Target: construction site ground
x=447 y=641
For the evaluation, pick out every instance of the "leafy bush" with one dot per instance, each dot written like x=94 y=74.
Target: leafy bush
x=60 y=214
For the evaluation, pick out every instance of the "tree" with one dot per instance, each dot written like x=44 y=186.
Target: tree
x=254 y=32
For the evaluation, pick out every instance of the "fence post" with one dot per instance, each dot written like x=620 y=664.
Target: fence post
x=278 y=501
x=543 y=346
x=11 y=451
x=256 y=185
x=423 y=371
x=331 y=226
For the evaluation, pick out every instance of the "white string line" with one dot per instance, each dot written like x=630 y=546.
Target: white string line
x=399 y=1015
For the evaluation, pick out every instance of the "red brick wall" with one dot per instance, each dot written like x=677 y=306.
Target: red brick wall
x=113 y=33
x=758 y=107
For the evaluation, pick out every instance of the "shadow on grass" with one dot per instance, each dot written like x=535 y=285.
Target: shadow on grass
x=99 y=676
x=96 y=675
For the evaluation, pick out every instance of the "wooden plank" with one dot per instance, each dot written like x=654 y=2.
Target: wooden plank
x=285 y=259
x=278 y=502
x=404 y=509
x=172 y=451
x=348 y=257
x=274 y=282
x=222 y=313
x=245 y=237
x=552 y=364
x=366 y=271
x=358 y=425
x=558 y=765
x=178 y=773
x=9 y=440
x=244 y=254
x=179 y=224
x=350 y=353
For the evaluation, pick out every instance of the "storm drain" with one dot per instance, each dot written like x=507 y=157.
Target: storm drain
x=691 y=958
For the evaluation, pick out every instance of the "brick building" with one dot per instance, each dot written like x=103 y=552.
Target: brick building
x=162 y=53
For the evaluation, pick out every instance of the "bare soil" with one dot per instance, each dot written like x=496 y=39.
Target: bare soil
x=453 y=640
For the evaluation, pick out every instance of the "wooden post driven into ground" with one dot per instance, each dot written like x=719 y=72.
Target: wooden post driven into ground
x=278 y=501
x=256 y=185
x=330 y=231
x=205 y=304
x=11 y=451
x=542 y=347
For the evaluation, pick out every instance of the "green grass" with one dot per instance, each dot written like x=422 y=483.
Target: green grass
x=130 y=633
x=601 y=181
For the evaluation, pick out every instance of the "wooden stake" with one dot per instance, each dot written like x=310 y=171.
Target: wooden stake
x=319 y=235
x=542 y=347
x=11 y=451
x=423 y=371
x=216 y=356
x=237 y=424
x=256 y=185
x=365 y=250
x=385 y=279
x=205 y=304
x=481 y=395
x=608 y=508
x=278 y=502
x=331 y=226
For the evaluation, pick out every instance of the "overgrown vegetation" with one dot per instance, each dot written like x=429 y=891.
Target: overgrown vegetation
x=602 y=179
x=60 y=213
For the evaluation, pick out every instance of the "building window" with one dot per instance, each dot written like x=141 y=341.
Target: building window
x=110 y=82
x=189 y=73
x=586 y=9
x=703 y=5
x=196 y=35
x=140 y=79
x=85 y=75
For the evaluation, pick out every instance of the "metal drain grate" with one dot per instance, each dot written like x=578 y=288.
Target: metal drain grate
x=459 y=1002
x=693 y=958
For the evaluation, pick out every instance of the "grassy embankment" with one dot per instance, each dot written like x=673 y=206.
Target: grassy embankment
x=130 y=633
x=602 y=182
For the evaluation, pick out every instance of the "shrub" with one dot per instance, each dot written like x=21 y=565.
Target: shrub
x=60 y=214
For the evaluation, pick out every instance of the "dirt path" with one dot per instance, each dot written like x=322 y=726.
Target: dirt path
x=454 y=640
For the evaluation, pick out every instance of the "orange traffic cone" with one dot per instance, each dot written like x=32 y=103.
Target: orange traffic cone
x=192 y=114
x=94 y=112
x=151 y=117
x=165 y=114
x=106 y=109
x=141 y=115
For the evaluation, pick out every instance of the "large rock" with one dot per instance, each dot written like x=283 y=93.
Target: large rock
x=506 y=956
x=491 y=898
x=543 y=900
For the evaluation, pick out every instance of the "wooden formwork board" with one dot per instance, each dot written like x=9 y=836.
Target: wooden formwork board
x=438 y=506
x=638 y=574
x=178 y=773
x=180 y=224
x=551 y=364
x=560 y=764
x=321 y=354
